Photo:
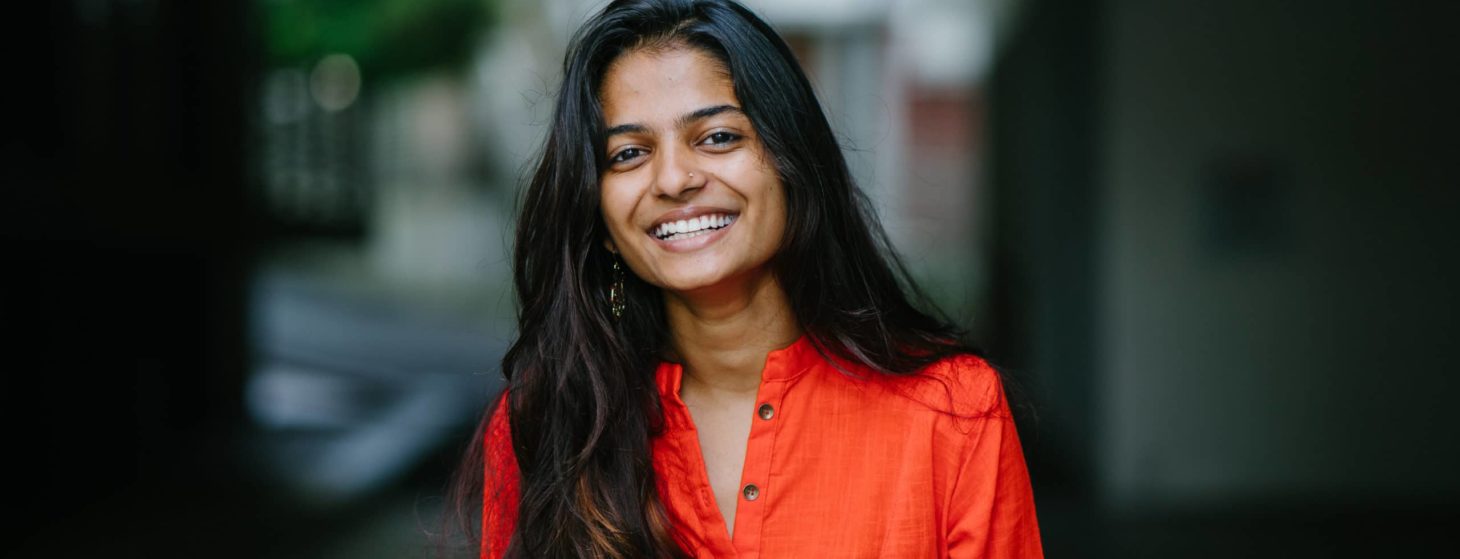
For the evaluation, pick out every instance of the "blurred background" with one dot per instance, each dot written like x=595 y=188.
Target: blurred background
x=259 y=258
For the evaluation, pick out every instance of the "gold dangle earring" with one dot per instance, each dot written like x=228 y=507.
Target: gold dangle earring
x=616 y=290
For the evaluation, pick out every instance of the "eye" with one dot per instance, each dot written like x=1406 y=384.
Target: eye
x=626 y=154
x=721 y=138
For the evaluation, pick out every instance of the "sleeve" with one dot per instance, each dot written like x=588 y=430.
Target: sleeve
x=501 y=490
x=991 y=507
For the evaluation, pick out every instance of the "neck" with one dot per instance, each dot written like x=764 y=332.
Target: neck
x=722 y=335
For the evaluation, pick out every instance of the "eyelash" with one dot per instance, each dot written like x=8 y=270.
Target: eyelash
x=724 y=137
x=728 y=137
x=619 y=157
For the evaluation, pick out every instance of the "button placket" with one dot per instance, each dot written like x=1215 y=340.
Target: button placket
x=766 y=411
x=766 y=424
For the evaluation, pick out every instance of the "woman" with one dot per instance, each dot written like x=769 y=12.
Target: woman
x=716 y=356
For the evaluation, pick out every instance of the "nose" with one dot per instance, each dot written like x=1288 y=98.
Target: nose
x=676 y=176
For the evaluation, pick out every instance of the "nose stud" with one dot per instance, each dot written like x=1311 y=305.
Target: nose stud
x=691 y=175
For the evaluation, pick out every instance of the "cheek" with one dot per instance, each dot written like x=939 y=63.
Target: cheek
x=774 y=231
x=778 y=230
x=617 y=202
x=615 y=207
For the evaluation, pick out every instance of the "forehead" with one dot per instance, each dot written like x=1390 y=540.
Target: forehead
x=649 y=85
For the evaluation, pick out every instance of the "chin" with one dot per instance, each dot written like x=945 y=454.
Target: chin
x=685 y=285
x=710 y=282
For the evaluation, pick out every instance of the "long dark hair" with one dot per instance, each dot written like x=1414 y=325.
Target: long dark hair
x=580 y=380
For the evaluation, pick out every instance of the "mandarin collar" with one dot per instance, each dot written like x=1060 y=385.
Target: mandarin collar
x=780 y=365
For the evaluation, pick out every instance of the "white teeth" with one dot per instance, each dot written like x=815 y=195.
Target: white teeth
x=692 y=227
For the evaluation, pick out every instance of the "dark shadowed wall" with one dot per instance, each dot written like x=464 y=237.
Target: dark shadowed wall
x=1228 y=266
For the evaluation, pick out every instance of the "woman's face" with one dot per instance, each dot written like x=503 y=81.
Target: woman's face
x=691 y=199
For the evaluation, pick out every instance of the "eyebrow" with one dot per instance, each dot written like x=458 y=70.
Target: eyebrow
x=681 y=122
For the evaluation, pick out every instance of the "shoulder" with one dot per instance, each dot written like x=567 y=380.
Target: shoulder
x=498 y=422
x=962 y=385
x=501 y=491
x=497 y=436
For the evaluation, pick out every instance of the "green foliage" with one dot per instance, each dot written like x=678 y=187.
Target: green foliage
x=388 y=38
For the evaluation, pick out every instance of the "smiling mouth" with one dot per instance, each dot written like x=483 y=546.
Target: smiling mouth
x=693 y=227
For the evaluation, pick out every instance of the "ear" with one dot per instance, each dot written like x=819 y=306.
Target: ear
x=608 y=244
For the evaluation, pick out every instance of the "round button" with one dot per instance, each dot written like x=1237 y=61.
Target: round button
x=766 y=411
x=751 y=492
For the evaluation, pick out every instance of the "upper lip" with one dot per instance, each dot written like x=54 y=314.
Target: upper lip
x=686 y=213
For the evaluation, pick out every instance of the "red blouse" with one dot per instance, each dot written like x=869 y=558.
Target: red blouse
x=926 y=465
